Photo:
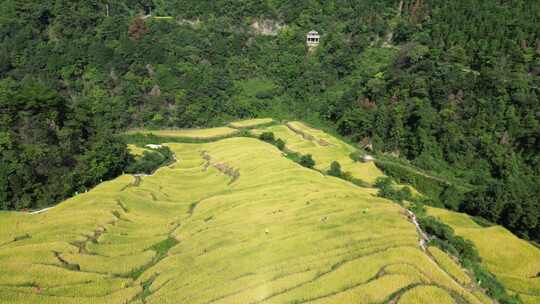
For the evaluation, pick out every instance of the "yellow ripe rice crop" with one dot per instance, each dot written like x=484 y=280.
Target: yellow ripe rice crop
x=324 y=148
x=121 y=265
x=33 y=295
x=426 y=294
x=250 y=123
x=192 y=233
x=191 y=133
x=99 y=288
x=515 y=262
x=449 y=265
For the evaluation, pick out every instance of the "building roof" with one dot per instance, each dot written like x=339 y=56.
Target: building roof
x=313 y=33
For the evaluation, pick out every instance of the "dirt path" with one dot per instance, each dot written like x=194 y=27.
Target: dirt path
x=41 y=211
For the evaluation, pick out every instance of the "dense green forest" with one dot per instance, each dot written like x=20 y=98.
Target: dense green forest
x=451 y=86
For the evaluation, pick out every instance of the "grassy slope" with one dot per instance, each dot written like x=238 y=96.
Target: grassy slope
x=514 y=261
x=279 y=233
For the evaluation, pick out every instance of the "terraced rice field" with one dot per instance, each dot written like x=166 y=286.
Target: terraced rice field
x=196 y=233
x=450 y=265
x=250 y=123
x=324 y=148
x=515 y=262
x=191 y=133
x=423 y=294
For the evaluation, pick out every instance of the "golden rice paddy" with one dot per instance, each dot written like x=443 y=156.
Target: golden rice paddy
x=250 y=123
x=515 y=262
x=324 y=148
x=191 y=133
x=191 y=233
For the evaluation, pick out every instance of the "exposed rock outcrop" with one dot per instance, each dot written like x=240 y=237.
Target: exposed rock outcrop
x=267 y=27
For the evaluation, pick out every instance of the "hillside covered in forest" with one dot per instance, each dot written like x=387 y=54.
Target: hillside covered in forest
x=448 y=88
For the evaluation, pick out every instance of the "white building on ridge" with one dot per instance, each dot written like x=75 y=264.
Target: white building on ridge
x=313 y=38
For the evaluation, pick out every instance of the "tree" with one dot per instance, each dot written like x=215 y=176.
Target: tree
x=307 y=161
x=280 y=144
x=451 y=197
x=106 y=158
x=335 y=169
x=267 y=137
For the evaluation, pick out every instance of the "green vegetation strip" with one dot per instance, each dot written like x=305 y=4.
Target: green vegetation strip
x=162 y=249
x=443 y=237
x=429 y=185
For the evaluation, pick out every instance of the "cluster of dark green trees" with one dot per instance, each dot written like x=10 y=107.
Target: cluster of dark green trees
x=452 y=86
x=50 y=147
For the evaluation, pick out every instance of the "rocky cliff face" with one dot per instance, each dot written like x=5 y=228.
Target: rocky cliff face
x=267 y=27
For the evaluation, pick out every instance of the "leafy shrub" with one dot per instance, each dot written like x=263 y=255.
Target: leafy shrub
x=444 y=246
x=267 y=137
x=307 y=161
x=295 y=157
x=280 y=144
x=418 y=208
x=436 y=228
x=387 y=190
x=271 y=139
x=335 y=169
x=356 y=156
x=466 y=249
x=383 y=183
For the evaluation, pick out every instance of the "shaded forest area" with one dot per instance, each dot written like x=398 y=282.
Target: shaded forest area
x=451 y=86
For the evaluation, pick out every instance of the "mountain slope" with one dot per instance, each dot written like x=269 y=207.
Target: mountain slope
x=514 y=261
x=195 y=233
